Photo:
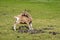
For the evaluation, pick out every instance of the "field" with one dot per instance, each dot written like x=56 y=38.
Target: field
x=45 y=13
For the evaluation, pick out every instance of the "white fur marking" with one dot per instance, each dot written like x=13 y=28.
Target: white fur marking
x=17 y=19
x=31 y=24
x=14 y=27
x=30 y=27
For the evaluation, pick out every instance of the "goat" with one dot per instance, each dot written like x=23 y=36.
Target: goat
x=23 y=18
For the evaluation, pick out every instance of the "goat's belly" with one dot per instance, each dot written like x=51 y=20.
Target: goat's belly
x=22 y=22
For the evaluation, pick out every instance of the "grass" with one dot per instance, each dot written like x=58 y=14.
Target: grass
x=44 y=13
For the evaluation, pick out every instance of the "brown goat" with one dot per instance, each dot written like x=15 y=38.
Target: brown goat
x=23 y=18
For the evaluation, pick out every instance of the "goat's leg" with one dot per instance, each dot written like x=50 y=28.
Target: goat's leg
x=14 y=27
x=30 y=26
x=17 y=22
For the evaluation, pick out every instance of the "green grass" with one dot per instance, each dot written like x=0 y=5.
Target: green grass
x=44 y=13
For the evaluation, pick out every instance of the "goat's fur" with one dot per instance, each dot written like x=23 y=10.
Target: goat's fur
x=23 y=18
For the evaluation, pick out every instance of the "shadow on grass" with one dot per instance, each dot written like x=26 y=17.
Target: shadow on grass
x=25 y=29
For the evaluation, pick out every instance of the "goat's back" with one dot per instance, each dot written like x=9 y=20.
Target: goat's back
x=25 y=19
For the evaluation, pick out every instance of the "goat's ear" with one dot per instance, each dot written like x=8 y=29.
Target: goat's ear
x=28 y=10
x=25 y=10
